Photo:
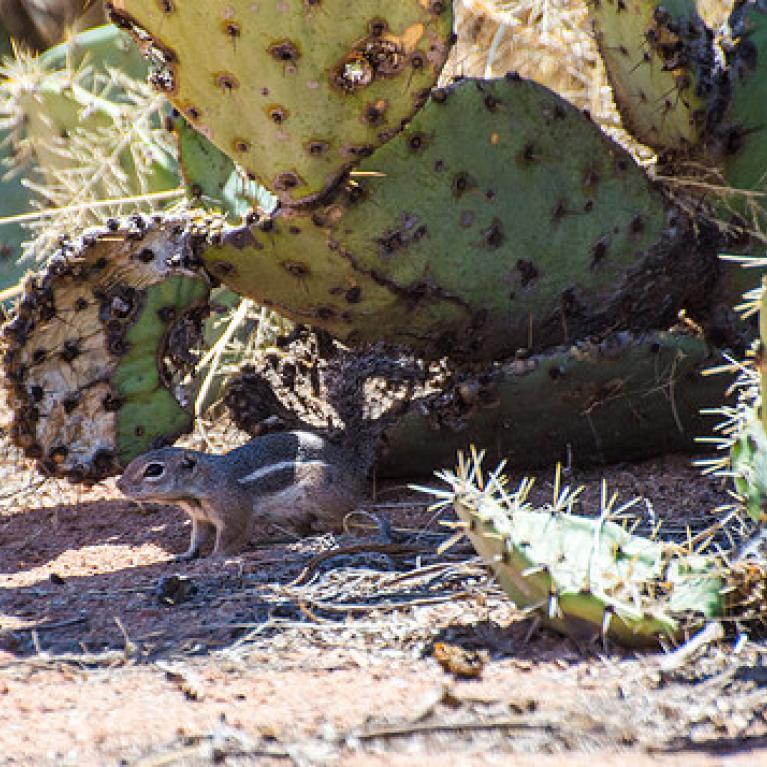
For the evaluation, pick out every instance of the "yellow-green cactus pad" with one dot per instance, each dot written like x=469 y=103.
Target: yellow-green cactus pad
x=295 y=92
x=588 y=578
x=739 y=138
x=95 y=354
x=658 y=58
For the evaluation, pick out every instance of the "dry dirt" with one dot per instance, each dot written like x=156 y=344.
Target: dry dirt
x=106 y=658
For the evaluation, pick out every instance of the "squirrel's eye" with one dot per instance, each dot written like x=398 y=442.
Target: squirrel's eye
x=153 y=471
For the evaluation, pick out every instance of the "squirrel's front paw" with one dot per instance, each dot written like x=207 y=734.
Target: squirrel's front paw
x=189 y=555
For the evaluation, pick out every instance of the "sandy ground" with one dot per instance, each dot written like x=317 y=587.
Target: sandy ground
x=111 y=653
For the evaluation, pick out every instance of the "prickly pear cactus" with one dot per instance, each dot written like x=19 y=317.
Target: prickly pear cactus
x=489 y=221
x=315 y=85
x=96 y=353
x=406 y=252
x=81 y=127
x=589 y=577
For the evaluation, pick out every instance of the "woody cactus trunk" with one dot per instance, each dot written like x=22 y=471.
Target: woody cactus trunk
x=487 y=222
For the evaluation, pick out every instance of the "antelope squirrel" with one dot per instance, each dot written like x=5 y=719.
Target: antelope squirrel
x=295 y=479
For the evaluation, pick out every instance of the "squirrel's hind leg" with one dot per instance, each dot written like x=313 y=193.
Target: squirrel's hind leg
x=231 y=538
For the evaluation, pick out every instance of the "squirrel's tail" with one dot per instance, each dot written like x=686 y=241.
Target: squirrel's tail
x=350 y=397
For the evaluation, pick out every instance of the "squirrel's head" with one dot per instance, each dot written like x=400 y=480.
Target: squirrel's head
x=169 y=474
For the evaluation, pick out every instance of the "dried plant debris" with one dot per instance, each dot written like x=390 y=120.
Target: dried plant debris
x=96 y=354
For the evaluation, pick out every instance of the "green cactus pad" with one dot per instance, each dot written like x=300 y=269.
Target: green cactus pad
x=584 y=577
x=213 y=180
x=748 y=456
x=296 y=92
x=474 y=232
x=623 y=399
x=96 y=351
x=659 y=58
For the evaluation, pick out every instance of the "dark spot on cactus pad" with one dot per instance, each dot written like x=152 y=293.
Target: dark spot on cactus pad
x=417 y=60
x=439 y=165
x=439 y=95
x=241 y=145
x=560 y=210
x=527 y=272
x=416 y=142
x=493 y=236
x=139 y=431
x=111 y=403
x=226 y=81
x=296 y=268
x=325 y=313
x=232 y=29
x=317 y=148
x=491 y=102
x=437 y=7
x=636 y=225
x=193 y=113
x=284 y=50
x=166 y=6
x=166 y=314
x=374 y=114
x=286 y=181
x=467 y=219
x=353 y=295
x=377 y=27
x=145 y=255
x=527 y=155
x=356 y=152
x=277 y=114
x=461 y=183
x=591 y=179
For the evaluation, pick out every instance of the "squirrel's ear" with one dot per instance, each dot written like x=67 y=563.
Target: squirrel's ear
x=189 y=461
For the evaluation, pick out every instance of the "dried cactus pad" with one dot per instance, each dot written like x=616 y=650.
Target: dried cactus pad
x=659 y=61
x=94 y=355
x=295 y=92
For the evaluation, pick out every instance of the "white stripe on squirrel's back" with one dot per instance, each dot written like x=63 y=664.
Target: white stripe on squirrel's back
x=265 y=471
